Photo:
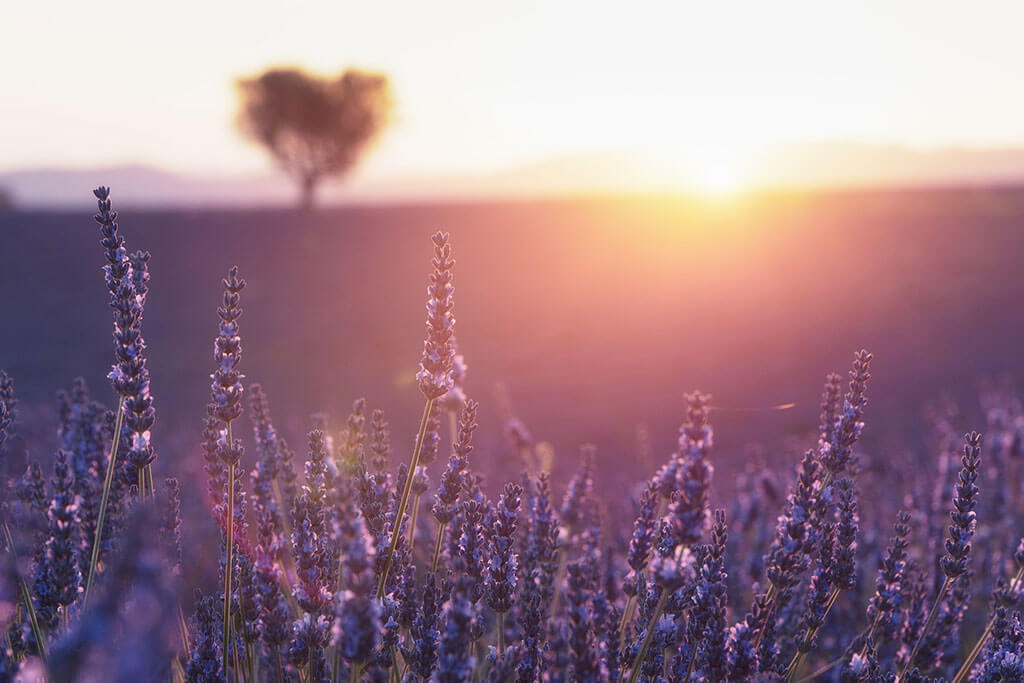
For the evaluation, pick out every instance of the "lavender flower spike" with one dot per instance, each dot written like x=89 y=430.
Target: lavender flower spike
x=452 y=480
x=7 y=403
x=500 y=576
x=961 y=531
x=226 y=399
x=435 y=374
x=129 y=376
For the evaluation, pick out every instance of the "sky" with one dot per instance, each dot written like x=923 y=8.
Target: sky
x=485 y=86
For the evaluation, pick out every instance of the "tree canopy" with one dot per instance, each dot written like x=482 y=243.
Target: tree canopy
x=314 y=126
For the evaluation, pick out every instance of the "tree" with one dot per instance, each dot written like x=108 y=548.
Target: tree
x=313 y=126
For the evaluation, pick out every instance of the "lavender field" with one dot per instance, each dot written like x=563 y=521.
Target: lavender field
x=636 y=440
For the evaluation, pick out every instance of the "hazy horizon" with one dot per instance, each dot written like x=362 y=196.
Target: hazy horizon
x=811 y=167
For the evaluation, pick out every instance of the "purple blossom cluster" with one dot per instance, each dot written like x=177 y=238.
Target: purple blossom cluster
x=338 y=565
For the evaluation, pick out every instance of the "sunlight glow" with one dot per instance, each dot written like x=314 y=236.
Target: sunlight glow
x=721 y=179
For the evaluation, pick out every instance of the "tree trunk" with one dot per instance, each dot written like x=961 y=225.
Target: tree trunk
x=307 y=188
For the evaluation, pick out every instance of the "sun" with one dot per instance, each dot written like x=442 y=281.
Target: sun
x=719 y=178
x=712 y=170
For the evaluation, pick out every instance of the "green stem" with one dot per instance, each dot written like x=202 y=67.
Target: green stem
x=838 y=660
x=183 y=628
x=412 y=522
x=627 y=614
x=927 y=626
x=769 y=613
x=229 y=570
x=104 y=499
x=26 y=596
x=559 y=580
x=501 y=633
x=437 y=546
x=396 y=532
x=279 y=497
x=809 y=638
x=639 y=660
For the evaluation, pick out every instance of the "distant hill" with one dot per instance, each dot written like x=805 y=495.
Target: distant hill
x=810 y=165
x=830 y=164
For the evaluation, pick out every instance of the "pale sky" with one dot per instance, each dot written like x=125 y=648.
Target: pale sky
x=482 y=86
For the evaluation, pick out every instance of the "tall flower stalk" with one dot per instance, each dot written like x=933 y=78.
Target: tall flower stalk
x=961 y=532
x=435 y=373
x=128 y=376
x=226 y=394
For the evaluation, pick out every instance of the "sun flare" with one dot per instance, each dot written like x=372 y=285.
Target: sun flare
x=720 y=179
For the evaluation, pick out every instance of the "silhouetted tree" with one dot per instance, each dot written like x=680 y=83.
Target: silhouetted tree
x=314 y=126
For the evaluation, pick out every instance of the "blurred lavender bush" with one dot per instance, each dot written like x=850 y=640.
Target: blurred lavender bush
x=350 y=562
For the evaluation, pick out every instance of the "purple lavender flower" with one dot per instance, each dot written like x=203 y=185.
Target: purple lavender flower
x=274 y=623
x=170 y=527
x=958 y=548
x=500 y=576
x=843 y=564
x=380 y=441
x=7 y=405
x=30 y=489
x=885 y=609
x=538 y=569
x=57 y=575
x=267 y=452
x=642 y=540
x=353 y=441
x=455 y=660
x=424 y=633
x=831 y=403
x=226 y=385
x=1004 y=656
x=431 y=437
x=216 y=473
x=961 y=530
x=435 y=374
x=81 y=432
x=139 y=415
x=689 y=510
x=584 y=665
x=452 y=480
x=707 y=624
x=794 y=539
x=837 y=453
x=306 y=649
x=741 y=653
x=127 y=281
x=456 y=396
x=358 y=628
x=310 y=531
x=579 y=488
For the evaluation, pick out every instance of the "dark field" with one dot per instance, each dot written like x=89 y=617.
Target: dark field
x=586 y=319
x=596 y=315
